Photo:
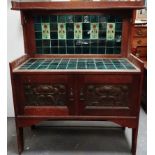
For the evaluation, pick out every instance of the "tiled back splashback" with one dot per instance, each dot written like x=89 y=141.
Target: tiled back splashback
x=78 y=34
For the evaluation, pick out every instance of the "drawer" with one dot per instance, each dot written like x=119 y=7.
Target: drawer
x=139 y=42
x=141 y=52
x=140 y=31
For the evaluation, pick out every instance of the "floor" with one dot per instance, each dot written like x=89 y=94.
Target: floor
x=78 y=138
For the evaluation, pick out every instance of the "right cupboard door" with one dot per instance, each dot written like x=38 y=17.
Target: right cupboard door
x=109 y=95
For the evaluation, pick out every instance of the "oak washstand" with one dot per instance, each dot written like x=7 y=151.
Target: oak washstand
x=77 y=65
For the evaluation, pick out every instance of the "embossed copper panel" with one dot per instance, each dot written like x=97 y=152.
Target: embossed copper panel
x=106 y=95
x=45 y=94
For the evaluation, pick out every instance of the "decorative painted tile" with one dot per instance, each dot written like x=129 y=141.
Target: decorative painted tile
x=61 y=30
x=45 y=30
x=77 y=30
x=94 y=30
x=86 y=19
x=110 y=31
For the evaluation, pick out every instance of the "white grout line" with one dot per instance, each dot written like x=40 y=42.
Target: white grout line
x=67 y=63
x=59 y=63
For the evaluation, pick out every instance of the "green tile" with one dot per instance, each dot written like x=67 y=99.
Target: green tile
x=62 y=42
x=61 y=30
x=94 y=32
x=129 y=66
x=37 y=19
x=109 y=50
x=118 y=26
x=54 y=35
x=39 y=43
x=46 y=43
x=42 y=67
x=45 y=19
x=61 y=19
x=70 y=50
x=78 y=50
x=93 y=50
x=86 y=50
x=54 y=50
x=62 y=50
x=52 y=67
x=101 y=42
x=37 y=27
x=111 y=19
x=94 y=18
x=77 y=18
x=53 y=26
x=54 y=43
x=69 y=18
x=118 y=19
x=46 y=50
x=119 y=66
x=103 y=19
x=70 y=35
x=102 y=26
x=70 y=42
x=69 y=26
x=71 y=67
x=38 y=35
x=109 y=66
x=117 y=50
x=86 y=26
x=101 y=50
x=86 y=35
x=94 y=42
x=102 y=34
x=53 y=18
x=90 y=66
x=61 y=67
x=110 y=43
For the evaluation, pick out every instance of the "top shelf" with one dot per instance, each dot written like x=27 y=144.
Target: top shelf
x=77 y=4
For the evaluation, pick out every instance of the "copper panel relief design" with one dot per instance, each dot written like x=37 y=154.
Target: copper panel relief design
x=45 y=94
x=106 y=95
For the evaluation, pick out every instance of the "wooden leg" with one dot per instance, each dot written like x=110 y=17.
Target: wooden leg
x=134 y=140
x=20 y=140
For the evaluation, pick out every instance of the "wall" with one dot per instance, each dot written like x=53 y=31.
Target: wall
x=15 y=49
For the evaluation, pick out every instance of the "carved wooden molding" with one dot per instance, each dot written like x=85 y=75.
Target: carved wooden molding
x=105 y=95
x=45 y=94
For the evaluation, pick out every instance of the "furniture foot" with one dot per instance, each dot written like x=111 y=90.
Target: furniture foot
x=20 y=140
x=134 y=140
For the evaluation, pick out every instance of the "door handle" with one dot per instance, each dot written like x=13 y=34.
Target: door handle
x=71 y=95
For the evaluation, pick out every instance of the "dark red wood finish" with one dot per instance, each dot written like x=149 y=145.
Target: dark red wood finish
x=75 y=108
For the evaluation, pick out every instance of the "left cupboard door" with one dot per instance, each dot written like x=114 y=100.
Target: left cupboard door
x=45 y=95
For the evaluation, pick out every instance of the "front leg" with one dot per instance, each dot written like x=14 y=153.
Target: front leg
x=20 y=140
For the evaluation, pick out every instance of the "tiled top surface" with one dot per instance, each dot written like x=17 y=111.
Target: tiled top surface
x=74 y=64
x=78 y=34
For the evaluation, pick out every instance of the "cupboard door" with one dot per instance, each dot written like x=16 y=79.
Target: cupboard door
x=47 y=95
x=107 y=95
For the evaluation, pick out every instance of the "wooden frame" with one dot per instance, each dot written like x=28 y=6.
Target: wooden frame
x=77 y=5
x=26 y=115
